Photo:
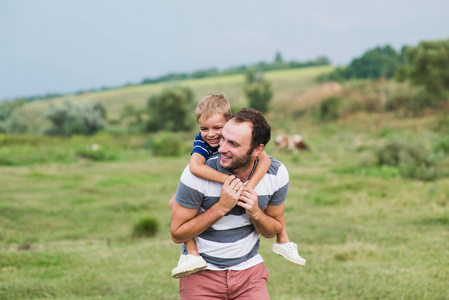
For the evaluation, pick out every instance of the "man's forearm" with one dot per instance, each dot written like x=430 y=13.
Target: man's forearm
x=188 y=230
x=266 y=226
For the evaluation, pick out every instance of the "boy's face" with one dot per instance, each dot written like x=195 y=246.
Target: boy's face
x=210 y=129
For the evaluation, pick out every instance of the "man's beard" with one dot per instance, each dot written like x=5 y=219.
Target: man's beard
x=239 y=162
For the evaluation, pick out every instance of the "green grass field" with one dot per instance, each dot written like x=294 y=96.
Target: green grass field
x=366 y=232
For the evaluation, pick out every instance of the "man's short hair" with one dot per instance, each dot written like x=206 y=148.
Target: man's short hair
x=261 y=133
x=213 y=104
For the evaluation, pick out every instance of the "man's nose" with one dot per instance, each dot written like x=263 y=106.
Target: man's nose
x=221 y=146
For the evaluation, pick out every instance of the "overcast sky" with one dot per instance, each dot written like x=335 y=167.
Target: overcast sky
x=64 y=46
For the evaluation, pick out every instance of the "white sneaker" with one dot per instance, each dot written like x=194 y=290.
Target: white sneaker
x=188 y=264
x=290 y=252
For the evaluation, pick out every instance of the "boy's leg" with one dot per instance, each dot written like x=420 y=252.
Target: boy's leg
x=190 y=263
x=287 y=249
x=282 y=237
x=191 y=248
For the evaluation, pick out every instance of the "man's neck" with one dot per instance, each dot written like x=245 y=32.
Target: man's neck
x=245 y=172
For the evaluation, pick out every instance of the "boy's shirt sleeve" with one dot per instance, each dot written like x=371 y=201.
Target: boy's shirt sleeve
x=200 y=147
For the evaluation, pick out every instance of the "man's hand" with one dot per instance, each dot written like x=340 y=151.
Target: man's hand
x=267 y=223
x=230 y=193
x=250 y=202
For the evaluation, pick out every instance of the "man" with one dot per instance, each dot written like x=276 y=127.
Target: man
x=231 y=216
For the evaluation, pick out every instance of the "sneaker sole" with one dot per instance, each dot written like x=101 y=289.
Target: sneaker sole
x=188 y=272
x=281 y=253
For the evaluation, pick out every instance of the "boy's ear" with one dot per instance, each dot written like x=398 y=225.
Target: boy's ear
x=258 y=150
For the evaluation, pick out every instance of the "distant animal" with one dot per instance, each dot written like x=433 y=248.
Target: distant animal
x=24 y=246
x=291 y=142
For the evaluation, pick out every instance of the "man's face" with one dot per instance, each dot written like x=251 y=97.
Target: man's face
x=235 y=145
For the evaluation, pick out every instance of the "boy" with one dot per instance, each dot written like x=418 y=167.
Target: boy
x=212 y=113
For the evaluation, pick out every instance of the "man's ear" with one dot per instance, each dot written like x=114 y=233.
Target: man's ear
x=257 y=150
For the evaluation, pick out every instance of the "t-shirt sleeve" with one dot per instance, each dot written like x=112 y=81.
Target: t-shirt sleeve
x=282 y=182
x=200 y=147
x=189 y=192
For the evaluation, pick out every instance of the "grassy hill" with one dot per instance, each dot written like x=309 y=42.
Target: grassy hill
x=287 y=85
x=367 y=231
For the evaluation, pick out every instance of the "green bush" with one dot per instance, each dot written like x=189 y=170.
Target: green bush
x=257 y=91
x=422 y=100
x=330 y=109
x=75 y=118
x=13 y=125
x=390 y=153
x=442 y=146
x=165 y=144
x=414 y=159
x=171 y=110
x=146 y=227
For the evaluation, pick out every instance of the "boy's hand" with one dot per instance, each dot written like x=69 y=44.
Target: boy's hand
x=250 y=202
x=230 y=193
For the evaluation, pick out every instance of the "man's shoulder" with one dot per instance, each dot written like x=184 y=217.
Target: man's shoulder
x=276 y=167
x=213 y=161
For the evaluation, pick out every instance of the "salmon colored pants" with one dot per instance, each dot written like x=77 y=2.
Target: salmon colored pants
x=245 y=284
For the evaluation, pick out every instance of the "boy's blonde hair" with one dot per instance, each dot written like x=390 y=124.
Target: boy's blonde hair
x=213 y=104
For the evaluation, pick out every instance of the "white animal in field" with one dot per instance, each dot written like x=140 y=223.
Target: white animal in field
x=291 y=142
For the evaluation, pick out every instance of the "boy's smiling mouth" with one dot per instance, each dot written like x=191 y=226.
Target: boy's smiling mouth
x=214 y=141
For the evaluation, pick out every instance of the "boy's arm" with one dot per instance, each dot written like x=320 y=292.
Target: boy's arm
x=198 y=167
x=264 y=163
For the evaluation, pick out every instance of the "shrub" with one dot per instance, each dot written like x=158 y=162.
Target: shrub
x=13 y=125
x=257 y=91
x=422 y=100
x=165 y=144
x=413 y=159
x=390 y=153
x=442 y=146
x=330 y=109
x=146 y=227
x=171 y=110
x=75 y=118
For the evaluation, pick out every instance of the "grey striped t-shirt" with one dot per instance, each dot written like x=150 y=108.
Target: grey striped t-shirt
x=231 y=243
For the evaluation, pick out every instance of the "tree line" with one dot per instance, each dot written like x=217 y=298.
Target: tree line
x=277 y=64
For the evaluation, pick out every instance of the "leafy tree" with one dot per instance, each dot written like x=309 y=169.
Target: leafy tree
x=428 y=65
x=75 y=118
x=8 y=107
x=257 y=90
x=375 y=63
x=171 y=110
x=278 y=58
x=13 y=125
